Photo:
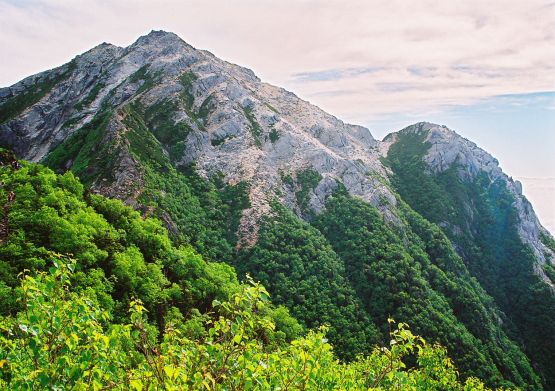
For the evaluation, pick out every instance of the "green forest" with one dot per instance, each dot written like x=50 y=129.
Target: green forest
x=80 y=270
x=95 y=296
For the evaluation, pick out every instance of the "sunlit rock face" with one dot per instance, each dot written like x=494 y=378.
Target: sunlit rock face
x=248 y=130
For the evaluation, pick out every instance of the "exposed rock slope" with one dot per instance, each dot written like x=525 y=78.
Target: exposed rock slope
x=233 y=123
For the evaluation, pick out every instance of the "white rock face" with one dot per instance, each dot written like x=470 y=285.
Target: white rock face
x=291 y=135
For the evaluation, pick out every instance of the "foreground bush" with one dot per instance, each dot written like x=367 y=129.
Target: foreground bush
x=63 y=341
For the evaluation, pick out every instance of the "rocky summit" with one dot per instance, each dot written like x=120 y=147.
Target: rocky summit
x=231 y=123
x=249 y=174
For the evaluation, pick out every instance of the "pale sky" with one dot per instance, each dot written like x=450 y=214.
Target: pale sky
x=484 y=68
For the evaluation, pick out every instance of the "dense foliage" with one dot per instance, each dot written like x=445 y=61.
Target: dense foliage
x=63 y=340
x=119 y=254
x=415 y=276
x=206 y=213
x=303 y=273
x=370 y=273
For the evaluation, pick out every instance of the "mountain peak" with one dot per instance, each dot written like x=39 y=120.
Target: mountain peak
x=160 y=33
x=158 y=37
x=103 y=52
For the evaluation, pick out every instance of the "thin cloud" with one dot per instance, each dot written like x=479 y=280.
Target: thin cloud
x=381 y=56
x=318 y=76
x=331 y=74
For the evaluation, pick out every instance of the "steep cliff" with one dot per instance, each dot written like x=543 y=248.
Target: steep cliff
x=444 y=150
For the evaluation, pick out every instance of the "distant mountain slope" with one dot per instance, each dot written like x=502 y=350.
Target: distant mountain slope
x=447 y=151
x=340 y=227
x=453 y=183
